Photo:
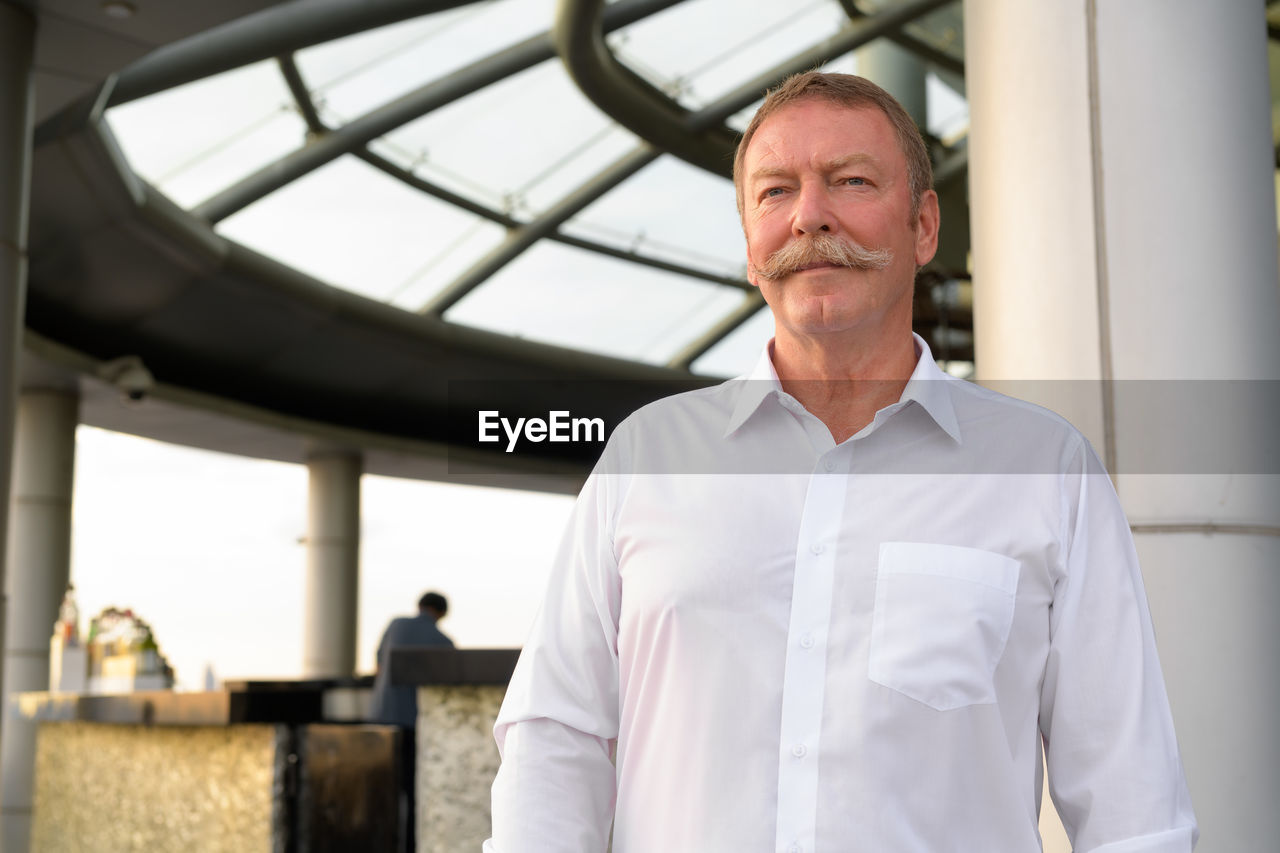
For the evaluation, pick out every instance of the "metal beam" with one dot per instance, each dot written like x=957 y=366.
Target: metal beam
x=626 y=97
x=919 y=47
x=928 y=53
x=301 y=96
x=526 y=235
x=263 y=35
x=697 y=137
x=435 y=190
x=956 y=165
x=403 y=110
x=854 y=35
x=645 y=260
x=744 y=312
x=511 y=222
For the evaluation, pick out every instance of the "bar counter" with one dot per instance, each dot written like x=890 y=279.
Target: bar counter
x=286 y=767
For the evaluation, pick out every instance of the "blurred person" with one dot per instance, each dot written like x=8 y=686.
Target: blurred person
x=398 y=704
x=870 y=593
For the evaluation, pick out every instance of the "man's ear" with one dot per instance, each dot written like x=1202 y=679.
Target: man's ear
x=928 y=220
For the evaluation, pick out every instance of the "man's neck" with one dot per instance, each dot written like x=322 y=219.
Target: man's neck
x=843 y=386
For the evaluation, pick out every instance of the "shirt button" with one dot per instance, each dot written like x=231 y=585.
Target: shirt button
x=806 y=641
x=799 y=750
x=794 y=848
x=817 y=547
x=829 y=465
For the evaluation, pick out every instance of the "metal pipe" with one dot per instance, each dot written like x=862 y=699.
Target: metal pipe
x=269 y=33
x=302 y=97
x=854 y=35
x=697 y=137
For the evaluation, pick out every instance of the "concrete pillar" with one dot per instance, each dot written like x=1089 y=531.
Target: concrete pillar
x=39 y=564
x=17 y=105
x=1124 y=228
x=333 y=565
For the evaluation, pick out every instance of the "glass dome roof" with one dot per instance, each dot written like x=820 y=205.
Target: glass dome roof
x=451 y=166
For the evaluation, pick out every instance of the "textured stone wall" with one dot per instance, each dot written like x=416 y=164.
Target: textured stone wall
x=457 y=760
x=153 y=788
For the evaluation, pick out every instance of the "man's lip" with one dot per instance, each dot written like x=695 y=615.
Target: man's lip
x=818 y=266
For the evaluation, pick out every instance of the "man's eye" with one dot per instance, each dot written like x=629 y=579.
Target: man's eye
x=772 y=191
x=856 y=182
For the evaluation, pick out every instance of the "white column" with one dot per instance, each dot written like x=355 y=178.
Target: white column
x=39 y=564
x=899 y=72
x=1124 y=228
x=333 y=565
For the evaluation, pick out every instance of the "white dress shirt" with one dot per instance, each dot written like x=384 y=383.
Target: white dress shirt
x=804 y=647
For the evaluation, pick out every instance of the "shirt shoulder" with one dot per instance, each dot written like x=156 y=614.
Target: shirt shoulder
x=1017 y=436
x=663 y=435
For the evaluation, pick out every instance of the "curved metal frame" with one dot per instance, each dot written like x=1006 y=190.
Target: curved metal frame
x=697 y=136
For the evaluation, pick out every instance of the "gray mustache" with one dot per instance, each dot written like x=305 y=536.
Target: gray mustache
x=823 y=249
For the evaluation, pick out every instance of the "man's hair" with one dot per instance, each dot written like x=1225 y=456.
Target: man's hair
x=434 y=601
x=853 y=92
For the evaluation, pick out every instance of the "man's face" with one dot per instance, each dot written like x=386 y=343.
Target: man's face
x=816 y=169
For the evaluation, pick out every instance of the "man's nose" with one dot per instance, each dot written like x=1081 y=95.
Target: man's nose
x=812 y=213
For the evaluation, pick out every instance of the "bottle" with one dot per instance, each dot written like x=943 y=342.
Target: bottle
x=68 y=624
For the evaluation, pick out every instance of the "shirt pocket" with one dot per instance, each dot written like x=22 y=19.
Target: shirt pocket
x=941 y=621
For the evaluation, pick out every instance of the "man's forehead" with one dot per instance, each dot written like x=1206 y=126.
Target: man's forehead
x=825 y=115
x=833 y=136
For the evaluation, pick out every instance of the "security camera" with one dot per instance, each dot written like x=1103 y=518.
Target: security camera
x=130 y=375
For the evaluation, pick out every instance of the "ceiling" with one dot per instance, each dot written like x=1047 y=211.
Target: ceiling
x=348 y=223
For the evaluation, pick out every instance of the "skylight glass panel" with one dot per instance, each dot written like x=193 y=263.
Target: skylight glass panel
x=948 y=110
x=519 y=145
x=351 y=76
x=703 y=49
x=573 y=298
x=354 y=227
x=673 y=211
x=231 y=125
x=737 y=352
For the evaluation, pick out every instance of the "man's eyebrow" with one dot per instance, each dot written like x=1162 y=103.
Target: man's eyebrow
x=768 y=172
x=850 y=160
x=832 y=165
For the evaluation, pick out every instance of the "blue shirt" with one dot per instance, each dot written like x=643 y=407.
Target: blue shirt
x=398 y=704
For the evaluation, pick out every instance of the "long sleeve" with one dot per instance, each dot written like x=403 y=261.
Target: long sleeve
x=1114 y=770
x=556 y=785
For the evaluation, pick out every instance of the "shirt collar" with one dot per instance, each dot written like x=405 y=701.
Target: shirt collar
x=927 y=387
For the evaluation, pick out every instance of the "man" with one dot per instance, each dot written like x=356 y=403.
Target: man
x=838 y=604
x=398 y=704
